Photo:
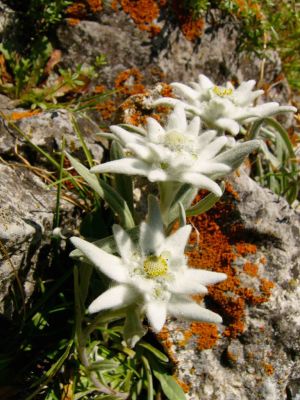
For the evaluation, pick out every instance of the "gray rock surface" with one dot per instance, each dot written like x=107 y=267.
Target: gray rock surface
x=26 y=221
x=47 y=130
x=117 y=37
x=263 y=362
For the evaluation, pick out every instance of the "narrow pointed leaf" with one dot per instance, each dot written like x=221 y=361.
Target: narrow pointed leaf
x=204 y=204
x=236 y=155
x=106 y=192
x=124 y=184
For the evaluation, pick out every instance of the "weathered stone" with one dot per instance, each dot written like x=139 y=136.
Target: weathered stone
x=168 y=56
x=26 y=219
x=47 y=131
x=262 y=362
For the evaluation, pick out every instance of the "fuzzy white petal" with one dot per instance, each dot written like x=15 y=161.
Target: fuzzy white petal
x=177 y=119
x=155 y=130
x=176 y=242
x=141 y=151
x=184 y=90
x=228 y=125
x=156 y=313
x=108 y=264
x=183 y=285
x=125 y=246
x=201 y=181
x=213 y=148
x=158 y=175
x=194 y=126
x=192 y=311
x=127 y=166
x=205 y=82
x=125 y=136
x=204 y=277
x=211 y=168
x=115 y=297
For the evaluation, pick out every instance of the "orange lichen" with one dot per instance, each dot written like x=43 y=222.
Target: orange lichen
x=269 y=369
x=142 y=12
x=207 y=334
x=230 y=189
x=76 y=10
x=219 y=246
x=15 y=116
x=185 y=387
x=250 y=269
x=245 y=248
x=95 y=5
x=165 y=338
x=187 y=334
x=130 y=82
x=191 y=27
x=73 y=21
x=266 y=286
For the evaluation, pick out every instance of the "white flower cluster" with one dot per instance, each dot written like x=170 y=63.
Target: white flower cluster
x=223 y=107
x=152 y=275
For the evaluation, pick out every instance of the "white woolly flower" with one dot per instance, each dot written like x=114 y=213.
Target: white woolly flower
x=152 y=274
x=223 y=107
x=180 y=152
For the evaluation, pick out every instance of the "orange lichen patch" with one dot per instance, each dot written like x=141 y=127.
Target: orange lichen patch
x=250 y=269
x=100 y=89
x=76 y=10
x=142 y=12
x=95 y=5
x=207 y=334
x=167 y=90
x=263 y=260
x=191 y=27
x=187 y=334
x=73 y=21
x=107 y=109
x=165 y=338
x=129 y=82
x=266 y=286
x=220 y=245
x=15 y=116
x=229 y=188
x=245 y=248
x=246 y=6
x=5 y=77
x=185 y=387
x=269 y=369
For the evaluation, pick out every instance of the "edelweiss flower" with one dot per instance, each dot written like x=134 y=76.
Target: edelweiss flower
x=152 y=274
x=223 y=107
x=179 y=152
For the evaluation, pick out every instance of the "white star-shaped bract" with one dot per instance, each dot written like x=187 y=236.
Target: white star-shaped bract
x=152 y=273
x=223 y=107
x=178 y=152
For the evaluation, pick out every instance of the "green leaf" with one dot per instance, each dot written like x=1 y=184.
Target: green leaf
x=204 y=205
x=106 y=192
x=124 y=184
x=235 y=156
x=169 y=385
x=150 y=392
x=157 y=353
x=104 y=365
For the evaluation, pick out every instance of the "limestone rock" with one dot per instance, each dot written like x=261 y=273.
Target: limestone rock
x=26 y=220
x=262 y=360
x=47 y=130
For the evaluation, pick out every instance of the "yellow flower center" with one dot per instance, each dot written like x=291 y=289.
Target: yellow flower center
x=155 y=266
x=175 y=140
x=221 y=91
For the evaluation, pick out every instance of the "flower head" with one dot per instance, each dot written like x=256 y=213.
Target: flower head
x=152 y=274
x=223 y=107
x=178 y=152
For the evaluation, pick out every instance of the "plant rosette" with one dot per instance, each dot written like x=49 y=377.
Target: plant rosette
x=152 y=274
x=223 y=107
